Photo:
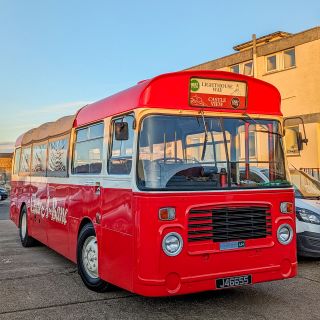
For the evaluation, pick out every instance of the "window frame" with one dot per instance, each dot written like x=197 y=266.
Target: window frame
x=277 y=62
x=234 y=65
x=110 y=144
x=25 y=173
x=15 y=171
x=75 y=143
x=241 y=67
x=283 y=59
x=280 y=64
x=44 y=142
x=53 y=139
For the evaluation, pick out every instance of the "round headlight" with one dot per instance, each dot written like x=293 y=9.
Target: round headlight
x=285 y=234
x=172 y=244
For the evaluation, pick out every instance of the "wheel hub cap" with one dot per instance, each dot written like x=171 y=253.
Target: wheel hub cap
x=90 y=256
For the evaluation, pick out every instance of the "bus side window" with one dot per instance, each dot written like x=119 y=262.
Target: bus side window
x=17 y=161
x=57 y=157
x=87 y=155
x=120 y=156
x=24 y=168
x=39 y=160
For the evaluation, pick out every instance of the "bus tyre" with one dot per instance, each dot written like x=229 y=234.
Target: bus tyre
x=87 y=260
x=26 y=240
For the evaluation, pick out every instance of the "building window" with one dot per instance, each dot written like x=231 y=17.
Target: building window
x=252 y=144
x=247 y=68
x=289 y=58
x=291 y=141
x=243 y=68
x=281 y=60
x=88 y=152
x=271 y=63
x=235 y=68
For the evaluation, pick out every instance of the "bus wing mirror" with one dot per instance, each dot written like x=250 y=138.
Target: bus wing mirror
x=299 y=139
x=121 y=131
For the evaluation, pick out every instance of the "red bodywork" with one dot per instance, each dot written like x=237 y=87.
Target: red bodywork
x=130 y=233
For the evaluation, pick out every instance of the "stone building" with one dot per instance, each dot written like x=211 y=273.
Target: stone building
x=5 y=168
x=291 y=62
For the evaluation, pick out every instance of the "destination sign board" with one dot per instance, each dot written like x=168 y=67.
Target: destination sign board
x=218 y=94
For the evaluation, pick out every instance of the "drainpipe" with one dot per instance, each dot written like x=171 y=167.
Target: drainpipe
x=254 y=56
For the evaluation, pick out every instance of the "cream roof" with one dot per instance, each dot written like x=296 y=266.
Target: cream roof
x=48 y=130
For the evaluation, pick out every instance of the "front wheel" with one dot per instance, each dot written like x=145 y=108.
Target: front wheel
x=87 y=259
x=25 y=239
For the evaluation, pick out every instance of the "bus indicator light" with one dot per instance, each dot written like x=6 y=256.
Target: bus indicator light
x=286 y=207
x=167 y=214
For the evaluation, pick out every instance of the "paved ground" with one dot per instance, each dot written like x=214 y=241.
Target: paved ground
x=4 y=210
x=37 y=283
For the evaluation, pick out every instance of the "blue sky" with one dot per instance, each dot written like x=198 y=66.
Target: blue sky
x=56 y=56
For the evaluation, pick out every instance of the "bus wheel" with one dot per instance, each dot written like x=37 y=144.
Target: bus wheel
x=87 y=260
x=26 y=240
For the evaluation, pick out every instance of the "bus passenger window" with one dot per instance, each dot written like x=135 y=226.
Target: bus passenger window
x=57 y=157
x=39 y=160
x=87 y=156
x=16 y=161
x=120 y=158
x=25 y=161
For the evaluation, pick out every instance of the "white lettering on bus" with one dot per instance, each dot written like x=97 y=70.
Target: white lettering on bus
x=49 y=211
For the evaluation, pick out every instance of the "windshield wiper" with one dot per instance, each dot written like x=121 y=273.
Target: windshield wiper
x=256 y=122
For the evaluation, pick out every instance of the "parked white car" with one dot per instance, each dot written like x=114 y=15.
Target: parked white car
x=307 y=203
x=307 y=193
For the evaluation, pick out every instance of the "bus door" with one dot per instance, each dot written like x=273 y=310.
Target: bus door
x=86 y=187
x=116 y=207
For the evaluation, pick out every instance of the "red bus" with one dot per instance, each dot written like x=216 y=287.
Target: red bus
x=157 y=188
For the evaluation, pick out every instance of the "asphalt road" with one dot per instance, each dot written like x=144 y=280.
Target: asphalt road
x=37 y=283
x=4 y=210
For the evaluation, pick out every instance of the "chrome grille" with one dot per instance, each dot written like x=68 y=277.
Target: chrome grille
x=221 y=224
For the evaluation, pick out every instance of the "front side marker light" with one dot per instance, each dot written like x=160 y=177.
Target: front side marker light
x=285 y=234
x=286 y=207
x=172 y=244
x=167 y=214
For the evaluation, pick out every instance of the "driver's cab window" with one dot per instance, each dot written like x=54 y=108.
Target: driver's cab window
x=120 y=157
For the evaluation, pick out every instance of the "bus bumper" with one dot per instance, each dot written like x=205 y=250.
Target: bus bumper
x=174 y=284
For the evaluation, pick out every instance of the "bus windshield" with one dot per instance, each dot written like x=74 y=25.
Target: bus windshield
x=207 y=153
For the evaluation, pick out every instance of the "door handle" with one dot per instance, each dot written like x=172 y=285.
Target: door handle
x=98 y=188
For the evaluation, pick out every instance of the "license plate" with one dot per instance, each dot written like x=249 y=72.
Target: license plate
x=233 y=282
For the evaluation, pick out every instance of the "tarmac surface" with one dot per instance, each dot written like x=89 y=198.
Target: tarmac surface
x=37 y=283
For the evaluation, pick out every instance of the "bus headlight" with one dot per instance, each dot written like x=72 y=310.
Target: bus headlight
x=285 y=234
x=172 y=244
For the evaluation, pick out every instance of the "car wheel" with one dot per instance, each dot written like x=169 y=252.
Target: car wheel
x=26 y=240
x=87 y=260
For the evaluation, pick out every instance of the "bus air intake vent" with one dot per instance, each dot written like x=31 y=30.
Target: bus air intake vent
x=221 y=224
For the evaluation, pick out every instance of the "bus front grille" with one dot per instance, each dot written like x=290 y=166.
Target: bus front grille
x=221 y=224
